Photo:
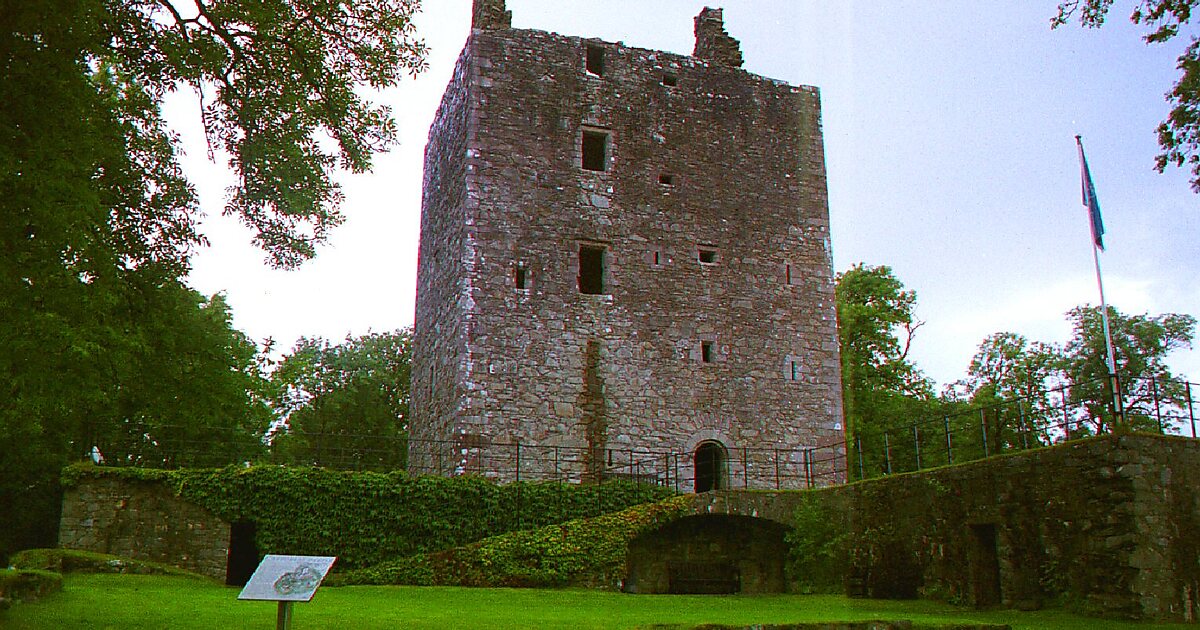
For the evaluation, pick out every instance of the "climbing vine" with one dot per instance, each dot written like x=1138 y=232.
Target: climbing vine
x=580 y=552
x=365 y=518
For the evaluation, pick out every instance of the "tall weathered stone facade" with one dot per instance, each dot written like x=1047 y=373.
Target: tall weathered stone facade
x=624 y=264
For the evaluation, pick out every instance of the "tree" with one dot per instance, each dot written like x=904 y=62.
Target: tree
x=99 y=220
x=1012 y=378
x=881 y=389
x=1179 y=135
x=276 y=81
x=196 y=395
x=157 y=377
x=345 y=404
x=1141 y=344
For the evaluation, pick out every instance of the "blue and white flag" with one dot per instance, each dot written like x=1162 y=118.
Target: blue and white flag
x=1089 y=198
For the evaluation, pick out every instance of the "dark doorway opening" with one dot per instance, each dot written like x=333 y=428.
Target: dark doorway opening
x=709 y=460
x=243 y=554
x=985 y=566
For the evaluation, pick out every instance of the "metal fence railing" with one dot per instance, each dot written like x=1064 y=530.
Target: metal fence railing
x=960 y=432
x=181 y=446
x=966 y=432
x=729 y=467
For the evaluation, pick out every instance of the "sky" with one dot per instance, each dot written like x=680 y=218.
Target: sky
x=950 y=153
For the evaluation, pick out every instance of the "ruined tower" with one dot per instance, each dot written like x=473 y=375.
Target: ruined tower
x=624 y=266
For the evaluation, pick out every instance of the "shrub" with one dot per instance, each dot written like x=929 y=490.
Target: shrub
x=18 y=585
x=76 y=561
x=365 y=518
x=818 y=545
x=582 y=552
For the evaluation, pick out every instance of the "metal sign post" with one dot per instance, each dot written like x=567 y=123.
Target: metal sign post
x=287 y=579
x=283 y=616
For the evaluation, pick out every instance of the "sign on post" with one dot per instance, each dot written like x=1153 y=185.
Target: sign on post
x=287 y=579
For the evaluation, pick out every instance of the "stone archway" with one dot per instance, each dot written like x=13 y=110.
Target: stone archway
x=710 y=462
x=709 y=554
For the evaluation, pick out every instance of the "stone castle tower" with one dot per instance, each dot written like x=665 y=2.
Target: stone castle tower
x=624 y=266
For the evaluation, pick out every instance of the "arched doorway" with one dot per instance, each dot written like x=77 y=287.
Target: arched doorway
x=709 y=461
x=709 y=554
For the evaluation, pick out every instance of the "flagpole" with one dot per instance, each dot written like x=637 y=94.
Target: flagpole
x=1110 y=360
x=1089 y=200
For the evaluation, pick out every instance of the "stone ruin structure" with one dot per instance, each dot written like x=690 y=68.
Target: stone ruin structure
x=624 y=267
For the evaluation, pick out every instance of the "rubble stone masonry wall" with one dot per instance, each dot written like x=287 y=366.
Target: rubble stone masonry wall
x=144 y=521
x=712 y=315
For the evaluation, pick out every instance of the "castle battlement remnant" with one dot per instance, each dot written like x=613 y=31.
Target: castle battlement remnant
x=623 y=251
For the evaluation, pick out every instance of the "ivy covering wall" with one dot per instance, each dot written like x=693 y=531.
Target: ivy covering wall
x=367 y=518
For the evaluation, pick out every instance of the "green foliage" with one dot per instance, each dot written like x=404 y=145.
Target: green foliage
x=1141 y=344
x=881 y=389
x=589 y=551
x=103 y=344
x=818 y=545
x=1011 y=378
x=1016 y=387
x=1179 y=135
x=276 y=82
x=159 y=377
x=366 y=518
x=134 y=602
x=76 y=561
x=344 y=401
x=25 y=585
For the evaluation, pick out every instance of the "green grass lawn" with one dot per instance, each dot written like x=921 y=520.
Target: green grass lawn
x=139 y=601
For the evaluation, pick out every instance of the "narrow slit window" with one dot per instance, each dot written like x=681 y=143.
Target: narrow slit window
x=706 y=255
x=594 y=60
x=666 y=179
x=591 y=270
x=520 y=278
x=706 y=351
x=669 y=79
x=595 y=150
x=657 y=258
x=787 y=274
x=794 y=370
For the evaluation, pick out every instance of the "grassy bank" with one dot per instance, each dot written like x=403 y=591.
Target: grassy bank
x=142 y=601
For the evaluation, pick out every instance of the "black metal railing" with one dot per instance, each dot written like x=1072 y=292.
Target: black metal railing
x=958 y=433
x=964 y=432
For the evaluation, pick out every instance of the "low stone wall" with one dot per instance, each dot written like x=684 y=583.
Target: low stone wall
x=145 y=521
x=1106 y=525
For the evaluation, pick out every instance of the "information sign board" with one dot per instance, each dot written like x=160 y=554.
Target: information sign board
x=287 y=578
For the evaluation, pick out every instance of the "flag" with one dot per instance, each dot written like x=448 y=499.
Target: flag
x=1089 y=198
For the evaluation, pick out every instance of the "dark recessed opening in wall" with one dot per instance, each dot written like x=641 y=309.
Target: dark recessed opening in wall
x=706 y=351
x=520 y=277
x=669 y=79
x=709 y=460
x=985 y=566
x=666 y=179
x=787 y=274
x=591 y=269
x=657 y=258
x=594 y=62
x=243 y=554
x=706 y=255
x=595 y=150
